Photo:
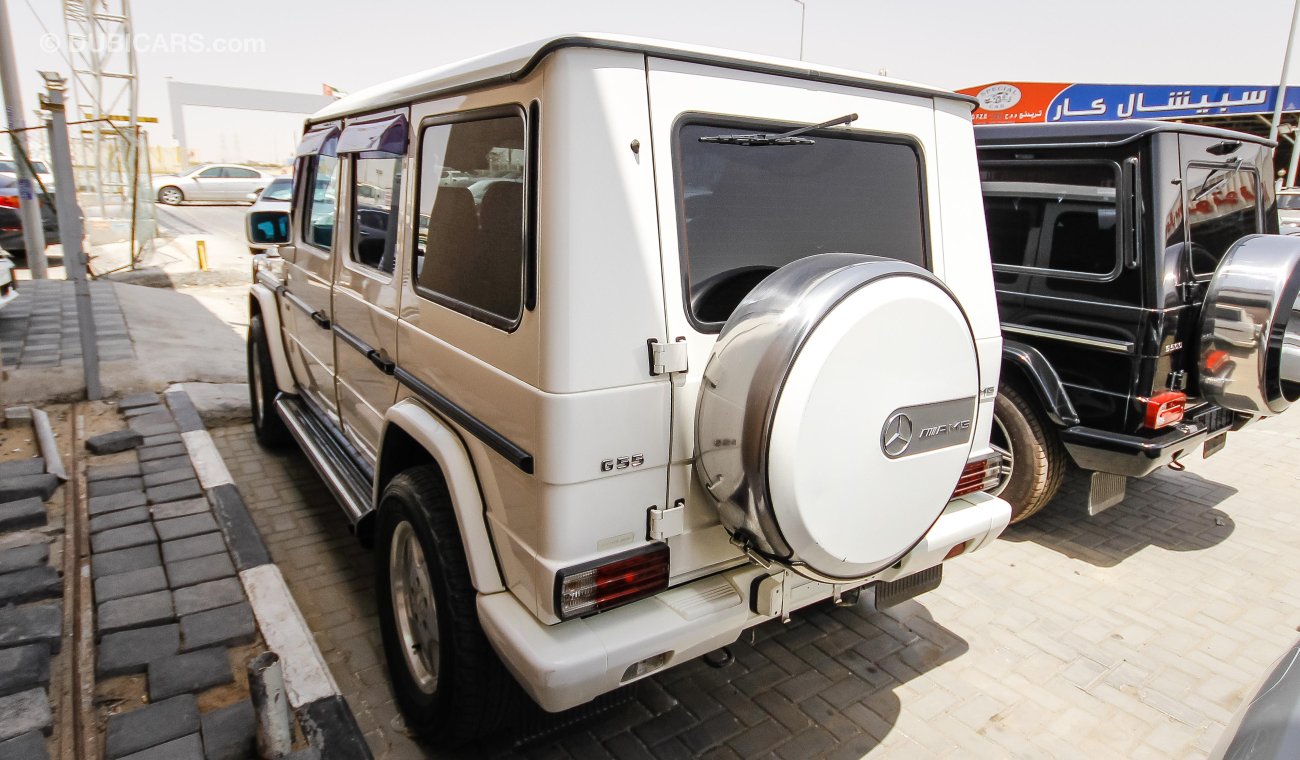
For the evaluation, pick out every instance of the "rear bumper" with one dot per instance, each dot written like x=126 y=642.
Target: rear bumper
x=570 y=663
x=1137 y=456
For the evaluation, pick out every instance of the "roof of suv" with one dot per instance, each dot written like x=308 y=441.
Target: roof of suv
x=512 y=64
x=1096 y=133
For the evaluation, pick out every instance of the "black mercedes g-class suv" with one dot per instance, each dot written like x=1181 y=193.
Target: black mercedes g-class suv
x=1147 y=302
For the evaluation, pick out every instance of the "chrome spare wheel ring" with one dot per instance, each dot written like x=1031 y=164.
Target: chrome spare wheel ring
x=414 y=610
x=1000 y=442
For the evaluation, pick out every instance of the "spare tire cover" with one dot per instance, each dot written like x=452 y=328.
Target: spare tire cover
x=836 y=412
x=1250 y=327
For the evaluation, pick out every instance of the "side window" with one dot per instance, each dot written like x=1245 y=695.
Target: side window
x=1222 y=208
x=322 y=192
x=235 y=172
x=1058 y=217
x=470 y=243
x=212 y=173
x=376 y=184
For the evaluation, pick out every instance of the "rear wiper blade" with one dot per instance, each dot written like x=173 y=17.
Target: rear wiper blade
x=785 y=138
x=1216 y=180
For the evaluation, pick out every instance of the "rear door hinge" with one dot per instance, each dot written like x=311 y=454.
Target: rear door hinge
x=668 y=522
x=667 y=357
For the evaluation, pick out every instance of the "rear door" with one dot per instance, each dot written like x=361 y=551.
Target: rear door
x=240 y=181
x=207 y=184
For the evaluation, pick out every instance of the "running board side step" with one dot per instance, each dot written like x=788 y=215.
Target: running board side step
x=344 y=479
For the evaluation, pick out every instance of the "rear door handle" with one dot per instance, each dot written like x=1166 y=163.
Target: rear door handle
x=320 y=319
x=384 y=364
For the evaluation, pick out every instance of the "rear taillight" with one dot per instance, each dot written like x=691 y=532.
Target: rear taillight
x=979 y=475
x=612 y=581
x=1164 y=409
x=8 y=201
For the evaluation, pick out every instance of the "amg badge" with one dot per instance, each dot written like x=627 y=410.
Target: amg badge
x=927 y=427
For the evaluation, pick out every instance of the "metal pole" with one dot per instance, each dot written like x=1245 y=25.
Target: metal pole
x=28 y=207
x=803 y=12
x=270 y=706
x=1286 y=67
x=70 y=232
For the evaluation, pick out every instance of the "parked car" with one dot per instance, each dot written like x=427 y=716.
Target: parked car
x=275 y=197
x=601 y=432
x=11 y=221
x=1143 y=292
x=1267 y=726
x=39 y=170
x=1288 y=211
x=210 y=182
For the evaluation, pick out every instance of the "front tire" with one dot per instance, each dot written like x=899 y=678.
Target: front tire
x=267 y=424
x=1031 y=450
x=171 y=196
x=449 y=683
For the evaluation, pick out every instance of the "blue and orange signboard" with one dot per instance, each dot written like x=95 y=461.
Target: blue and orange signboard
x=1039 y=102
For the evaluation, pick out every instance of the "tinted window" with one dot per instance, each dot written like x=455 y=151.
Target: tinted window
x=1222 y=203
x=280 y=189
x=469 y=248
x=749 y=210
x=235 y=172
x=1060 y=217
x=375 y=200
x=320 y=219
x=212 y=173
x=1288 y=201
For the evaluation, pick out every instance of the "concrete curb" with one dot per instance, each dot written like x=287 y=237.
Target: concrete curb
x=323 y=714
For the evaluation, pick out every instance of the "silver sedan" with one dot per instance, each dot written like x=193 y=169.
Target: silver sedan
x=210 y=182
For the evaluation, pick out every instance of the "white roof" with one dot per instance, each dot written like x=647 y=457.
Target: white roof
x=515 y=62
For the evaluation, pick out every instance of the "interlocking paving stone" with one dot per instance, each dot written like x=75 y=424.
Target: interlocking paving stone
x=200 y=569
x=230 y=733
x=135 y=612
x=21 y=557
x=119 y=519
x=150 y=726
x=111 y=471
x=166 y=463
x=103 y=504
x=188 y=673
x=162 y=439
x=168 y=476
x=145 y=428
x=137 y=400
x=181 y=527
x=116 y=485
x=179 y=508
x=16 y=467
x=24 y=513
x=29 y=746
x=111 y=443
x=185 y=748
x=128 y=652
x=30 y=585
x=246 y=545
x=233 y=625
x=185 y=489
x=168 y=451
x=125 y=560
x=31 y=624
x=24 y=667
x=23 y=712
x=40 y=486
x=207 y=596
x=123 y=538
x=194 y=546
x=136 y=411
x=133 y=583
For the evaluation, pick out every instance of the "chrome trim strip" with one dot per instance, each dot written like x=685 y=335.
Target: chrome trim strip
x=1105 y=344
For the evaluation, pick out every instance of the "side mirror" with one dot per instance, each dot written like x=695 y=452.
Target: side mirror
x=268 y=227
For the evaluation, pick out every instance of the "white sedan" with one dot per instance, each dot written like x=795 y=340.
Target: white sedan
x=210 y=182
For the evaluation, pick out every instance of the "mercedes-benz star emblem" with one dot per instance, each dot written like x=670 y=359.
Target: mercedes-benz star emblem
x=896 y=435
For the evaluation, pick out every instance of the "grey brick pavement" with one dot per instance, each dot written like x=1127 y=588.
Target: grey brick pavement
x=1133 y=634
x=39 y=329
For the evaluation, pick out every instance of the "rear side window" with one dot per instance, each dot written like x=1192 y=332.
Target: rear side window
x=212 y=173
x=1056 y=217
x=322 y=197
x=1222 y=208
x=234 y=172
x=746 y=211
x=375 y=200
x=470 y=242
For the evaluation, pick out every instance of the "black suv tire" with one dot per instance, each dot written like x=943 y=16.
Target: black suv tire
x=472 y=694
x=267 y=425
x=1039 y=461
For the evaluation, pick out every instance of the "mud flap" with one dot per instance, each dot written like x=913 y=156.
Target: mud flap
x=890 y=593
x=1105 y=490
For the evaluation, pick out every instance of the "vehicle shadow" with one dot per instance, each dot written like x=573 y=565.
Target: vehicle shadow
x=824 y=682
x=1175 y=511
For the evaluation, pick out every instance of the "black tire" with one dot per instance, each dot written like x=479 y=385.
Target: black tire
x=267 y=424
x=1038 y=458
x=473 y=695
x=171 y=195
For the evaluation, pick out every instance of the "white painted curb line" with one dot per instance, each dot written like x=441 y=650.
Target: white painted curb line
x=208 y=463
x=306 y=676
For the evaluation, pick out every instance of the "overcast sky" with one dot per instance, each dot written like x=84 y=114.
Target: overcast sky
x=296 y=45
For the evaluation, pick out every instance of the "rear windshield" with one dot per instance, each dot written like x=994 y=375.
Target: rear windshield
x=748 y=210
x=1222 y=208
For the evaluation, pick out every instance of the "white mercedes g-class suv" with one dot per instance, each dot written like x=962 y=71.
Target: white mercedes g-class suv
x=615 y=349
